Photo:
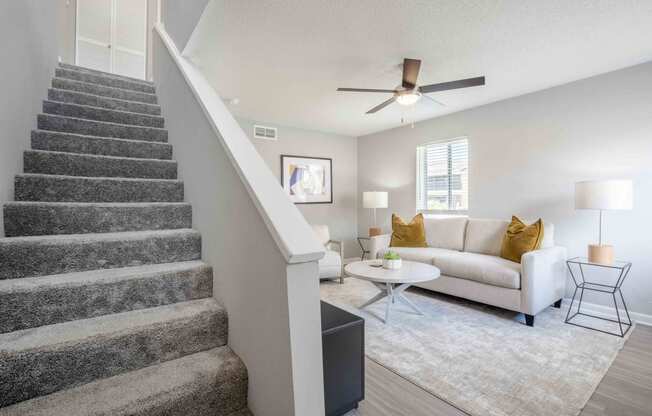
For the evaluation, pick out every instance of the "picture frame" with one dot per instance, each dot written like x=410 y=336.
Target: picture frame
x=306 y=179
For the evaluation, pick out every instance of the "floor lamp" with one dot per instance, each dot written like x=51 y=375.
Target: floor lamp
x=603 y=196
x=374 y=200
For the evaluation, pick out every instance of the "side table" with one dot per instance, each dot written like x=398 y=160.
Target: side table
x=578 y=267
x=343 y=348
x=362 y=247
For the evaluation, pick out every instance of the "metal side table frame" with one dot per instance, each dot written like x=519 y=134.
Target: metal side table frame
x=362 y=247
x=581 y=284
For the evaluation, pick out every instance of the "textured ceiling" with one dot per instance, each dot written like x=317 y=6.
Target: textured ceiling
x=284 y=59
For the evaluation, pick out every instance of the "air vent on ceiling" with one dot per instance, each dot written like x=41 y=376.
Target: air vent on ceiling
x=265 y=133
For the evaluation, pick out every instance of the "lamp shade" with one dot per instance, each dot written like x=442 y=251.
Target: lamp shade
x=374 y=199
x=604 y=195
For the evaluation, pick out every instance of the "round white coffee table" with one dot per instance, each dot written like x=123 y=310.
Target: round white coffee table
x=392 y=283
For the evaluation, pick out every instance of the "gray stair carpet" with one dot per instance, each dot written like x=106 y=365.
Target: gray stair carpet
x=70 y=124
x=101 y=114
x=74 y=97
x=106 y=74
x=212 y=383
x=47 y=218
x=107 y=146
x=105 y=305
x=104 y=91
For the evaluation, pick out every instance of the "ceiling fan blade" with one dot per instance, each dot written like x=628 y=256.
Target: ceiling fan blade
x=364 y=90
x=433 y=100
x=410 y=72
x=452 y=85
x=381 y=106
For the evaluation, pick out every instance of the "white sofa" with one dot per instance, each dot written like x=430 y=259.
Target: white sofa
x=467 y=252
x=330 y=266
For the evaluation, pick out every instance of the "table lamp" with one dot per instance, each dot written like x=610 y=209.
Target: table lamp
x=603 y=196
x=374 y=200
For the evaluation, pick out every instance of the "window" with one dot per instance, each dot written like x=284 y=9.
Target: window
x=443 y=176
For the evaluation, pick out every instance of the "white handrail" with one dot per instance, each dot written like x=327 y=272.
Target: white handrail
x=292 y=234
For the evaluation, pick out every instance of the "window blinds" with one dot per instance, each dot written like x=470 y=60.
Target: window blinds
x=443 y=176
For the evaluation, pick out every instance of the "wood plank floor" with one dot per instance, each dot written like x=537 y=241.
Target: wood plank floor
x=626 y=390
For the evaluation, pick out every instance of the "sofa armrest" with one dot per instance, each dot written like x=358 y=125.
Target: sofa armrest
x=378 y=243
x=543 y=278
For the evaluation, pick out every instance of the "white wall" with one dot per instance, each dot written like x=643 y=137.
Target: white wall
x=527 y=152
x=180 y=18
x=341 y=215
x=273 y=307
x=28 y=55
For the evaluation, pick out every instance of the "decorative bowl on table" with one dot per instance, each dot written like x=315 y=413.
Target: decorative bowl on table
x=392 y=261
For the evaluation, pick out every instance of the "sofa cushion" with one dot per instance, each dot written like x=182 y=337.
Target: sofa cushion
x=445 y=232
x=482 y=268
x=484 y=236
x=420 y=254
x=330 y=265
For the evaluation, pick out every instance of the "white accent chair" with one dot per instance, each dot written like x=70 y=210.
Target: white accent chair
x=467 y=252
x=330 y=266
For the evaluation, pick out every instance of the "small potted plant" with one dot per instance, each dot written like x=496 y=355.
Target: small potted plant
x=392 y=261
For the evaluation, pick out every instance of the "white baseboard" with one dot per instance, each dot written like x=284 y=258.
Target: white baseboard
x=609 y=312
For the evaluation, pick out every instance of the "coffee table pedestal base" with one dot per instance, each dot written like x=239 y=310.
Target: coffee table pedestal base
x=393 y=292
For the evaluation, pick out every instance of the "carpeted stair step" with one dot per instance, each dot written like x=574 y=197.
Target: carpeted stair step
x=209 y=383
x=107 y=81
x=85 y=87
x=37 y=301
x=81 y=98
x=55 y=254
x=106 y=74
x=79 y=143
x=43 y=360
x=49 y=218
x=241 y=412
x=74 y=164
x=101 y=114
x=100 y=128
x=57 y=188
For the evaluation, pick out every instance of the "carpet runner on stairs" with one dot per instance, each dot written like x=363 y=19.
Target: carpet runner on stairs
x=105 y=305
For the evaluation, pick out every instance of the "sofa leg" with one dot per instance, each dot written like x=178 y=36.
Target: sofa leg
x=557 y=304
x=529 y=320
x=342 y=279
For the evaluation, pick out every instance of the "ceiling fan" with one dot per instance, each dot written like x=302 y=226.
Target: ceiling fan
x=408 y=93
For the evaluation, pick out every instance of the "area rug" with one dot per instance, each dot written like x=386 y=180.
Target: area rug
x=482 y=360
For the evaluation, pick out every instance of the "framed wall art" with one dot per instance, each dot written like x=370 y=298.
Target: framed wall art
x=307 y=180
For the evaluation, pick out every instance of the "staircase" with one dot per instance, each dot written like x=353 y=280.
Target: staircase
x=105 y=305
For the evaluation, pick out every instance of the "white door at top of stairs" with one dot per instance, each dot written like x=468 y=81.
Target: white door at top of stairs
x=111 y=36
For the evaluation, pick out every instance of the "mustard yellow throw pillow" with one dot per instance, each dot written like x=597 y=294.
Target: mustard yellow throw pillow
x=521 y=238
x=408 y=235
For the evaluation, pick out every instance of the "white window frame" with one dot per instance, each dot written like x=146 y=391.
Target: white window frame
x=420 y=177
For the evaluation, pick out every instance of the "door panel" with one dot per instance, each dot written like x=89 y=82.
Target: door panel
x=130 y=37
x=130 y=21
x=111 y=36
x=92 y=55
x=94 y=34
x=129 y=64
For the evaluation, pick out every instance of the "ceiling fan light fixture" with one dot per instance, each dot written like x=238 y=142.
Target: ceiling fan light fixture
x=408 y=98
